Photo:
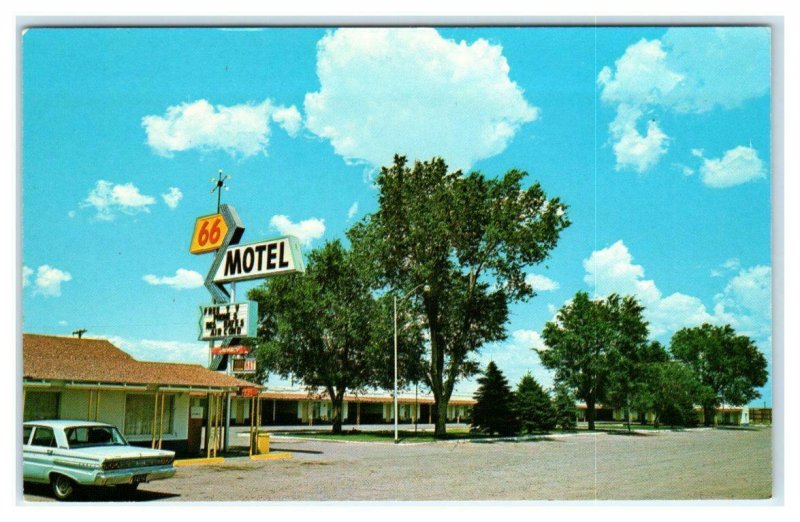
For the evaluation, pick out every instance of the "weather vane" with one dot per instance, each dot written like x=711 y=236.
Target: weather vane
x=219 y=184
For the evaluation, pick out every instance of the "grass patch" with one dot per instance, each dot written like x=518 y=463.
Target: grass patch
x=380 y=436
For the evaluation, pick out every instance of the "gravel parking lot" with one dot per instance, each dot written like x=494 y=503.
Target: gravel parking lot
x=694 y=464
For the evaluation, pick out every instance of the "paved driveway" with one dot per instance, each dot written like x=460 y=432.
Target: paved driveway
x=695 y=464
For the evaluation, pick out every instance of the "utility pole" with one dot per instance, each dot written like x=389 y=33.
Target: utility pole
x=79 y=332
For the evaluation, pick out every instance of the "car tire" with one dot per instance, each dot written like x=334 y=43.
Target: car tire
x=63 y=487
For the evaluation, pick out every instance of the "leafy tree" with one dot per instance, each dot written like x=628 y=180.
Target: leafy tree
x=730 y=366
x=578 y=342
x=672 y=389
x=493 y=411
x=642 y=400
x=564 y=408
x=628 y=350
x=532 y=406
x=466 y=238
x=324 y=327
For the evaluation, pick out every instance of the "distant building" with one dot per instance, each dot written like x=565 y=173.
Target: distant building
x=284 y=406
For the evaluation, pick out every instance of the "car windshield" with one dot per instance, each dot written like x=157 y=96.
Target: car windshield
x=84 y=436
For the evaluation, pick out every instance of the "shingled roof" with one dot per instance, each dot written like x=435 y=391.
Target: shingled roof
x=48 y=357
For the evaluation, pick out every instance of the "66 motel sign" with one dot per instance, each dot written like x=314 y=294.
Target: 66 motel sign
x=225 y=321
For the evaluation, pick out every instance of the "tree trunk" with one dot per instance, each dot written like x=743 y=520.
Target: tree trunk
x=440 y=430
x=337 y=398
x=628 y=417
x=709 y=413
x=590 y=413
x=337 y=415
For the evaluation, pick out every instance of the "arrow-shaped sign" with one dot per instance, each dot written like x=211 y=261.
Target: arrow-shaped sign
x=232 y=237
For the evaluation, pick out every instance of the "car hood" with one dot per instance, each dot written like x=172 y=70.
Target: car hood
x=121 y=452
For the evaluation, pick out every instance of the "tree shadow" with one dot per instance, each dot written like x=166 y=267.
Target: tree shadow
x=737 y=428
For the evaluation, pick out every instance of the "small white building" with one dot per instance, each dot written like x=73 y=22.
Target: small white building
x=152 y=403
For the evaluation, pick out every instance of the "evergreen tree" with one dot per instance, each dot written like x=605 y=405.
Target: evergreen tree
x=493 y=412
x=564 y=408
x=532 y=406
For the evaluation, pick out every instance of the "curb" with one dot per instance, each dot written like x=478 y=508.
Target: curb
x=272 y=456
x=198 y=462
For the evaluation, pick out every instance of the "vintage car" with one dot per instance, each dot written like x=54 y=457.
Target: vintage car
x=68 y=454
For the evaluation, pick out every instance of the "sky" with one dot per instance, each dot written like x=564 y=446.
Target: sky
x=656 y=138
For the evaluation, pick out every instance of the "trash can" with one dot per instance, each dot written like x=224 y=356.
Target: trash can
x=262 y=444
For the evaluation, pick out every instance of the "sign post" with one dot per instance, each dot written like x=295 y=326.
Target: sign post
x=224 y=319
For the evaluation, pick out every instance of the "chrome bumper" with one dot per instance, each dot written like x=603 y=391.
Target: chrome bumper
x=112 y=478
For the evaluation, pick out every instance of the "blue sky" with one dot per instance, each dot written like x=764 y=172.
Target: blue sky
x=657 y=139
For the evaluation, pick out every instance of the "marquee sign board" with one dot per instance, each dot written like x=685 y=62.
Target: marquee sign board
x=259 y=260
x=223 y=321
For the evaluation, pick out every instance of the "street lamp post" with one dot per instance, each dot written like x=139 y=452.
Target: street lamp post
x=425 y=289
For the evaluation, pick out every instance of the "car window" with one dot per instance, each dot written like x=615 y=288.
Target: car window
x=43 y=436
x=26 y=434
x=82 y=436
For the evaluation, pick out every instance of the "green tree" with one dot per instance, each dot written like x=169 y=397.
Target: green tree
x=730 y=366
x=578 y=343
x=324 y=327
x=468 y=239
x=564 y=407
x=493 y=411
x=627 y=352
x=533 y=407
x=642 y=400
x=672 y=389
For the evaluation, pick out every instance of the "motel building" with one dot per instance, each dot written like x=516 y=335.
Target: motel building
x=167 y=404
x=726 y=415
x=290 y=406
x=154 y=404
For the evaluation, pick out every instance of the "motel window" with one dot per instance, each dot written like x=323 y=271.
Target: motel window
x=139 y=409
x=41 y=405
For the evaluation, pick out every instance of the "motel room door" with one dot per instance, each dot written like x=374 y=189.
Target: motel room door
x=196 y=418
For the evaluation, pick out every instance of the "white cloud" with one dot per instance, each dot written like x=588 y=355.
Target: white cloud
x=353 y=210
x=71 y=214
x=732 y=263
x=289 y=119
x=182 y=280
x=163 y=351
x=611 y=270
x=640 y=76
x=108 y=198
x=721 y=66
x=631 y=148
x=746 y=302
x=306 y=230
x=736 y=166
x=541 y=283
x=173 y=197
x=63 y=323
x=26 y=275
x=237 y=129
x=410 y=91
x=48 y=281
x=689 y=70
